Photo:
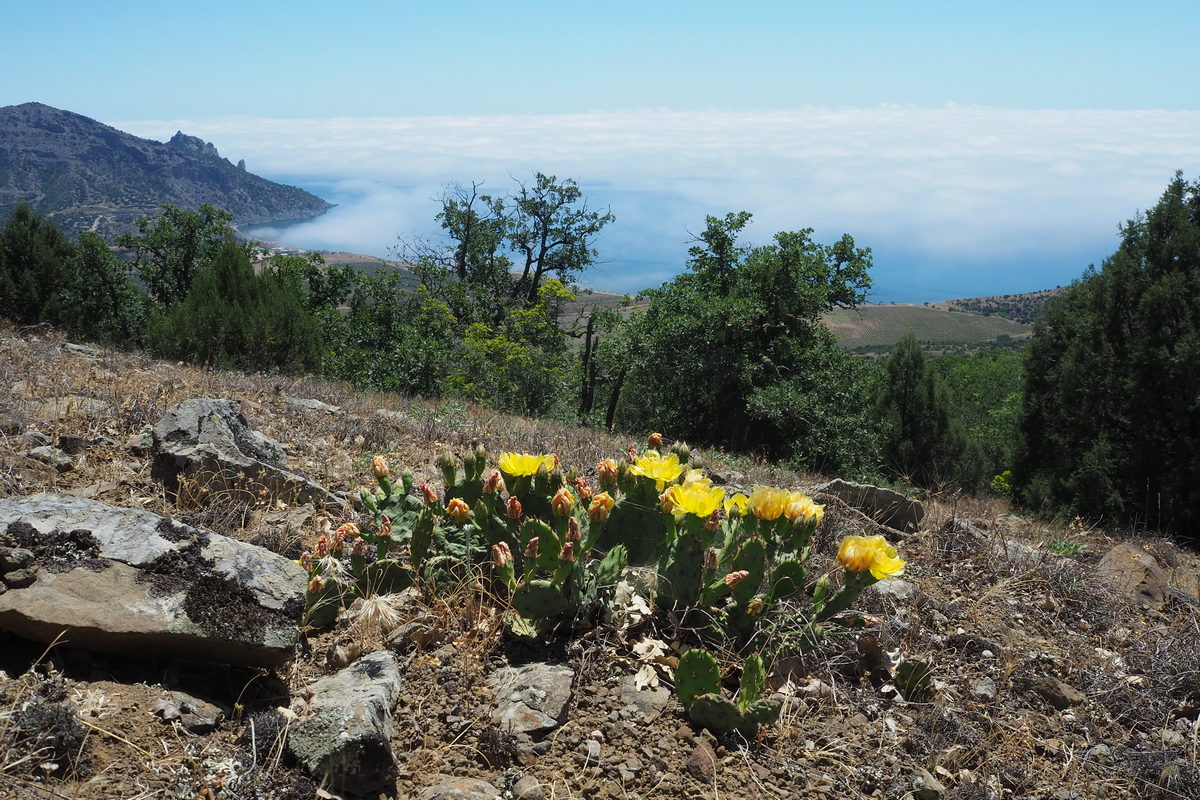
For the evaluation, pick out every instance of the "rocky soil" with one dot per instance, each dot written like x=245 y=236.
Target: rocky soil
x=1064 y=662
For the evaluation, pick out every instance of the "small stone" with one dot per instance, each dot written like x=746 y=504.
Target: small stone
x=460 y=789
x=14 y=558
x=35 y=439
x=527 y=788
x=985 y=689
x=53 y=457
x=1055 y=692
x=1100 y=753
x=19 y=578
x=702 y=765
x=72 y=445
x=1172 y=738
x=927 y=787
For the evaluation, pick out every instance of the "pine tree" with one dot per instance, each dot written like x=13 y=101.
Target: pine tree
x=34 y=268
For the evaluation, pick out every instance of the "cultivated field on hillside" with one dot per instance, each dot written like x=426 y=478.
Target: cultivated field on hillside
x=875 y=328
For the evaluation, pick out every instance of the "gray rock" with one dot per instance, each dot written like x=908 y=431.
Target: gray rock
x=885 y=506
x=19 y=578
x=460 y=789
x=193 y=714
x=927 y=787
x=11 y=423
x=1100 y=753
x=531 y=699
x=53 y=457
x=309 y=404
x=34 y=439
x=895 y=588
x=131 y=582
x=985 y=689
x=650 y=701
x=209 y=441
x=88 y=350
x=345 y=737
x=14 y=558
x=528 y=788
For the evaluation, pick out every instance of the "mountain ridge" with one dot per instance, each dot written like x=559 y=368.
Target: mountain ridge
x=85 y=175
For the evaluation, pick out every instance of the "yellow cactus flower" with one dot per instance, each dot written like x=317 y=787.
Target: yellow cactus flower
x=379 y=466
x=861 y=553
x=737 y=506
x=661 y=470
x=608 y=471
x=801 y=509
x=520 y=465
x=767 y=503
x=458 y=510
x=562 y=502
x=697 y=476
x=692 y=498
x=600 y=507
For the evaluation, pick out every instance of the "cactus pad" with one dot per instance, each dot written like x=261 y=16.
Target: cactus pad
x=696 y=674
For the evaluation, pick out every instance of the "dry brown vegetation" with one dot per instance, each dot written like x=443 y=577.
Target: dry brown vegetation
x=1002 y=599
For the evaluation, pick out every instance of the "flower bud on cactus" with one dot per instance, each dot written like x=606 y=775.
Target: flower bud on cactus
x=713 y=523
x=755 y=607
x=734 y=578
x=501 y=555
x=585 y=491
x=573 y=532
x=359 y=550
x=655 y=440
x=632 y=453
x=607 y=470
x=494 y=483
x=322 y=548
x=513 y=508
x=600 y=507
x=385 y=527
x=379 y=466
x=567 y=554
x=339 y=541
x=348 y=530
x=306 y=560
x=428 y=494
x=316 y=585
x=562 y=502
x=710 y=558
x=531 y=547
x=458 y=510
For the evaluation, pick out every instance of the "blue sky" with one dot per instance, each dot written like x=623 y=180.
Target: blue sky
x=978 y=147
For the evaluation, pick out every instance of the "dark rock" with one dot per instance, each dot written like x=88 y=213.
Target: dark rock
x=345 y=738
x=927 y=787
x=194 y=715
x=73 y=445
x=209 y=441
x=885 y=506
x=53 y=457
x=19 y=578
x=11 y=423
x=130 y=582
x=14 y=558
x=1055 y=692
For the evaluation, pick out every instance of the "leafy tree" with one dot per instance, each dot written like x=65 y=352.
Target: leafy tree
x=35 y=260
x=920 y=442
x=105 y=305
x=168 y=250
x=721 y=347
x=1110 y=424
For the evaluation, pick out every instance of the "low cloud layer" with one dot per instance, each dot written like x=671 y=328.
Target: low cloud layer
x=952 y=200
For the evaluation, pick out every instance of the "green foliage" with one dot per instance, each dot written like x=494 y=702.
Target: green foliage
x=697 y=683
x=921 y=442
x=722 y=347
x=169 y=249
x=1110 y=413
x=35 y=259
x=231 y=317
x=105 y=305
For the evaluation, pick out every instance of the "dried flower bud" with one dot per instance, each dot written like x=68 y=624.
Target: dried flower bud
x=322 y=548
x=713 y=522
x=755 y=607
x=567 y=554
x=585 y=491
x=348 y=530
x=573 y=533
x=339 y=541
x=600 y=507
x=501 y=555
x=562 y=502
x=710 y=558
x=385 y=527
x=427 y=492
x=306 y=560
x=458 y=510
x=734 y=578
x=379 y=466
x=608 y=471
x=513 y=508
x=494 y=484
x=655 y=440
x=531 y=547
x=632 y=453
x=316 y=585
x=360 y=548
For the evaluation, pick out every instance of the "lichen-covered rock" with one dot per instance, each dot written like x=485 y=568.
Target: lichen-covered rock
x=885 y=506
x=531 y=699
x=208 y=440
x=134 y=583
x=345 y=736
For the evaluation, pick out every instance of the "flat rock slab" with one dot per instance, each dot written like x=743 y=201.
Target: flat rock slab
x=134 y=583
x=1134 y=571
x=461 y=789
x=208 y=441
x=885 y=506
x=345 y=738
x=531 y=699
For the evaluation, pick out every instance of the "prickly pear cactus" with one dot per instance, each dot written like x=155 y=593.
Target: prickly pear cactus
x=696 y=674
x=679 y=576
x=539 y=599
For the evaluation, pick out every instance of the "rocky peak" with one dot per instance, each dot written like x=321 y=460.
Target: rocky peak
x=193 y=145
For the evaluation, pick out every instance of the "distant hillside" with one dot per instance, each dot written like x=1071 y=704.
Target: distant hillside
x=1017 y=307
x=875 y=329
x=88 y=176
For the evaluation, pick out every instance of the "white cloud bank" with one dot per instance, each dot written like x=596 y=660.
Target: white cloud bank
x=957 y=191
